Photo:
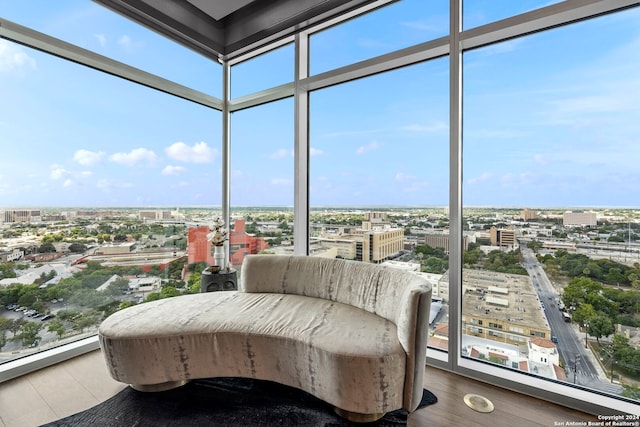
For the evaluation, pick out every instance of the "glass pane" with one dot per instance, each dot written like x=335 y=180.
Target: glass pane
x=550 y=148
x=95 y=28
x=262 y=186
x=99 y=181
x=479 y=12
x=397 y=26
x=274 y=68
x=379 y=167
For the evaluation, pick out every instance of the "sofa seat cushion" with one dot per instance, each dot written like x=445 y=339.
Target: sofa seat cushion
x=337 y=352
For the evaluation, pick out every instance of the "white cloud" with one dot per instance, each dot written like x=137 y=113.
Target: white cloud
x=134 y=157
x=517 y=180
x=58 y=172
x=280 y=181
x=485 y=176
x=101 y=39
x=421 y=25
x=88 y=158
x=128 y=44
x=402 y=177
x=13 y=57
x=315 y=152
x=369 y=147
x=68 y=183
x=281 y=153
x=198 y=153
x=107 y=185
x=173 y=170
x=125 y=41
x=410 y=183
x=435 y=127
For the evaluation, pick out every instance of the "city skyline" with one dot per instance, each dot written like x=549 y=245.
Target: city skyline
x=102 y=141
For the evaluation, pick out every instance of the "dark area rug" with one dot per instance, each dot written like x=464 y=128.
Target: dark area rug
x=222 y=402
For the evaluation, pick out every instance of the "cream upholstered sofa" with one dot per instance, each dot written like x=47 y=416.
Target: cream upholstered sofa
x=352 y=334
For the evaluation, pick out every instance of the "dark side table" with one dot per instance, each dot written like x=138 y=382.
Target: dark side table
x=221 y=281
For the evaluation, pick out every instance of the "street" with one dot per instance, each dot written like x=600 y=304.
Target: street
x=571 y=344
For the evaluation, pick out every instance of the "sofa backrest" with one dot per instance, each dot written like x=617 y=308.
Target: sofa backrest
x=370 y=287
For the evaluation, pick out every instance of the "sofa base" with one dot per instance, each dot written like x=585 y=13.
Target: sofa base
x=150 y=388
x=358 y=418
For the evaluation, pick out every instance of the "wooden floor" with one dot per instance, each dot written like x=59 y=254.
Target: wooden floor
x=82 y=382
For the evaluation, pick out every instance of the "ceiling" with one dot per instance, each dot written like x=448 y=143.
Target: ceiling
x=228 y=28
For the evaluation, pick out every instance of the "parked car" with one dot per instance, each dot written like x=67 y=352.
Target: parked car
x=47 y=317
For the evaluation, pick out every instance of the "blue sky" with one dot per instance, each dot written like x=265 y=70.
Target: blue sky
x=550 y=119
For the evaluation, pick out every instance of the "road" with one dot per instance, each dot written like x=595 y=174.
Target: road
x=571 y=345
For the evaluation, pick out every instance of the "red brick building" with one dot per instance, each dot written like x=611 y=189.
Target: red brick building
x=240 y=244
x=198 y=247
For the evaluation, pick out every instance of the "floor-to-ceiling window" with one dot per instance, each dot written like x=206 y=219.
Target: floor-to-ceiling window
x=262 y=154
x=379 y=159
x=262 y=180
x=100 y=176
x=549 y=142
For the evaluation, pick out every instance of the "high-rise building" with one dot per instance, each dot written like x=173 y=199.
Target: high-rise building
x=502 y=237
x=375 y=241
x=154 y=215
x=441 y=240
x=580 y=219
x=528 y=214
x=21 y=215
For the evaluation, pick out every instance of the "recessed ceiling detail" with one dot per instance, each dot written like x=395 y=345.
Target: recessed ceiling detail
x=228 y=28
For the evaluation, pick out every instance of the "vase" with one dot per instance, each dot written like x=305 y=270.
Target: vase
x=219 y=257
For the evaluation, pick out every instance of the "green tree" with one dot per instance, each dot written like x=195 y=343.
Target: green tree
x=169 y=292
x=631 y=391
x=193 y=283
x=4 y=328
x=29 y=334
x=117 y=287
x=534 y=245
x=6 y=270
x=58 y=327
x=46 y=248
x=615 y=275
x=153 y=296
x=16 y=326
x=600 y=326
x=434 y=265
x=125 y=304
x=584 y=313
x=77 y=248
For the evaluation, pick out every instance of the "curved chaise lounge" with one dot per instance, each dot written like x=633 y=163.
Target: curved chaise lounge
x=350 y=333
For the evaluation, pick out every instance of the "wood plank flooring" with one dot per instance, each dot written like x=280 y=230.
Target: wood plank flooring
x=82 y=382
